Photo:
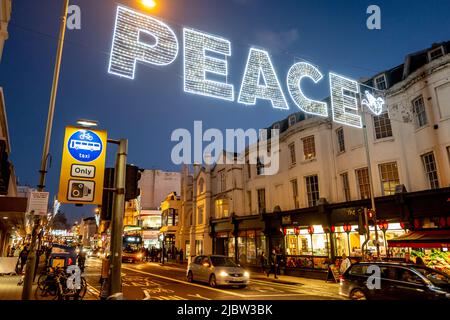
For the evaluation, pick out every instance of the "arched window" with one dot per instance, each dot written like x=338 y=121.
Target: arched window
x=201 y=185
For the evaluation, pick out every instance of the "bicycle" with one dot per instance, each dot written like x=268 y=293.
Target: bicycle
x=53 y=285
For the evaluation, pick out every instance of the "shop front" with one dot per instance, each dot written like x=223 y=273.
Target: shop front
x=310 y=239
x=241 y=238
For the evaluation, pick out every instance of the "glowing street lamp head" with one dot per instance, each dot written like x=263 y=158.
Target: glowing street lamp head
x=87 y=123
x=149 y=3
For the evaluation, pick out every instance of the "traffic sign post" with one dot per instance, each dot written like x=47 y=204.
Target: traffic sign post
x=83 y=166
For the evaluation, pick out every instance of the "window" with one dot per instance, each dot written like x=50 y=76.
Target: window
x=295 y=193
x=312 y=190
x=340 y=139
x=259 y=167
x=249 y=196
x=309 y=148
x=362 y=176
x=222 y=208
x=199 y=250
x=345 y=186
x=419 y=112
x=223 y=181
x=380 y=82
x=261 y=200
x=435 y=53
x=382 y=125
x=291 y=120
x=389 y=177
x=292 y=153
x=249 y=170
x=201 y=185
x=276 y=126
x=200 y=215
x=430 y=170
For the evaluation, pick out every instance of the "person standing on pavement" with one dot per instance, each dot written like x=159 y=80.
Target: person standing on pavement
x=263 y=261
x=345 y=264
x=181 y=255
x=273 y=264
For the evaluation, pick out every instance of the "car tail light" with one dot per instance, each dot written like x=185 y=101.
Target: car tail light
x=69 y=262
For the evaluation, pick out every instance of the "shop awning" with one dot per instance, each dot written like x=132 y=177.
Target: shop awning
x=423 y=239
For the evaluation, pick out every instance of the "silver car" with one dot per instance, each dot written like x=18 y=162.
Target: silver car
x=217 y=271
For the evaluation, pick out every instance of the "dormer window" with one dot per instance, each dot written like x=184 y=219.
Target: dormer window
x=276 y=126
x=291 y=120
x=435 y=53
x=380 y=82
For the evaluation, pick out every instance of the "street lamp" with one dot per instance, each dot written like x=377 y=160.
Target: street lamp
x=87 y=123
x=311 y=232
x=347 y=228
x=384 y=225
x=149 y=3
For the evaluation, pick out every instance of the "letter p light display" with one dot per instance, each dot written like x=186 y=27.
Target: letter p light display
x=127 y=47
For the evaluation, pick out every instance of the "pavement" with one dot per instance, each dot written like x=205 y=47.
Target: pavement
x=10 y=290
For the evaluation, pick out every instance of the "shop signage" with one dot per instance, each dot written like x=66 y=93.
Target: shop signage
x=142 y=38
x=38 y=203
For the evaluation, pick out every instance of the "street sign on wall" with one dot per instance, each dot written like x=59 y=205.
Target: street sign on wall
x=82 y=167
x=38 y=203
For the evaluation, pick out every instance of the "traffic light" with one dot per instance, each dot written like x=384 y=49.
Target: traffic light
x=371 y=217
x=133 y=175
x=361 y=225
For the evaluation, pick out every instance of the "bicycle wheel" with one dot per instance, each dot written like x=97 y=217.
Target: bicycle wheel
x=41 y=281
x=83 y=288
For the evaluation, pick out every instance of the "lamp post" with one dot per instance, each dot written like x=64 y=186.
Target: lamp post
x=311 y=232
x=29 y=271
x=297 y=232
x=384 y=225
x=347 y=228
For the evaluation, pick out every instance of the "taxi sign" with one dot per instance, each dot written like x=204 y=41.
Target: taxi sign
x=83 y=166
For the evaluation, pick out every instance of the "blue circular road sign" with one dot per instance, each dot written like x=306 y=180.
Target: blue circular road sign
x=85 y=146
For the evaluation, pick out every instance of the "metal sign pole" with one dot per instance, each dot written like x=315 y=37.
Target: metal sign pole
x=115 y=275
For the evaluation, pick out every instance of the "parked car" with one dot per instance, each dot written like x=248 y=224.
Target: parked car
x=62 y=256
x=397 y=281
x=217 y=271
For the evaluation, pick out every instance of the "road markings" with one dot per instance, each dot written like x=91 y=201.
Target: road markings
x=198 y=296
x=170 y=298
x=187 y=283
x=147 y=295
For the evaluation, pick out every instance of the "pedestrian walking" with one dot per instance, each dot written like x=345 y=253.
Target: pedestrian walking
x=263 y=261
x=345 y=263
x=23 y=256
x=181 y=256
x=273 y=261
x=420 y=262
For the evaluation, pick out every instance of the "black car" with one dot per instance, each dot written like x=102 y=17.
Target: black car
x=393 y=281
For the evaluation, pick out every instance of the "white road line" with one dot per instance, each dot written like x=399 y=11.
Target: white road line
x=187 y=283
x=91 y=288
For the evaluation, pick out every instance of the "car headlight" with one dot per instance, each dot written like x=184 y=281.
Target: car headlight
x=246 y=274
x=139 y=255
x=223 y=274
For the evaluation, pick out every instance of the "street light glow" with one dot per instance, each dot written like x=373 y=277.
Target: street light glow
x=149 y=3
x=87 y=123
